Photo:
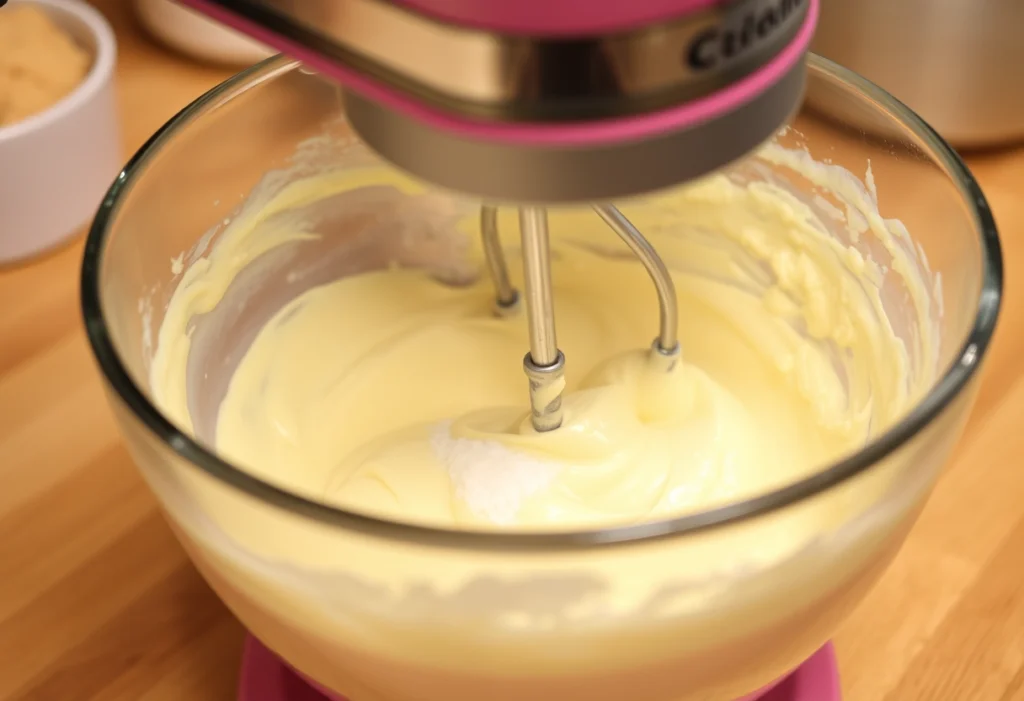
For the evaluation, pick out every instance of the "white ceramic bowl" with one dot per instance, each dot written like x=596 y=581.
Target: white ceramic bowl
x=56 y=165
x=193 y=34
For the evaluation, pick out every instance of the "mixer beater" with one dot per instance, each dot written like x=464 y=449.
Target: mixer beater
x=544 y=363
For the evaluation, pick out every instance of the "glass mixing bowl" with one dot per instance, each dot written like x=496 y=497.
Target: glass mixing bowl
x=386 y=611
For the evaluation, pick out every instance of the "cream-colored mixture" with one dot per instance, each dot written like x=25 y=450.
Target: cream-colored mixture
x=396 y=393
x=39 y=62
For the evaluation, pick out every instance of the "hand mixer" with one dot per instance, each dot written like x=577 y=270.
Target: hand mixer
x=551 y=101
x=541 y=102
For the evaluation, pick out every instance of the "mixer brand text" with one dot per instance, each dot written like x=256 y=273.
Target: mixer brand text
x=738 y=35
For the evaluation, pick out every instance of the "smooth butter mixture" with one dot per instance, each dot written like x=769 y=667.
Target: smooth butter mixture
x=395 y=393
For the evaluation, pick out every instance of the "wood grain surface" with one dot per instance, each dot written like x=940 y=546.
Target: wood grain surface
x=97 y=601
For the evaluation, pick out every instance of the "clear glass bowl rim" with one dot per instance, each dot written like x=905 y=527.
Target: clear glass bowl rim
x=953 y=380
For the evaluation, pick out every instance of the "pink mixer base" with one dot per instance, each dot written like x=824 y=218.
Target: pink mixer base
x=265 y=677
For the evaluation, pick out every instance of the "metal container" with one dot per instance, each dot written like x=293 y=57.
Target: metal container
x=954 y=62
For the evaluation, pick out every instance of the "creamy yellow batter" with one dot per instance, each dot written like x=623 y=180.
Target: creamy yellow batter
x=393 y=393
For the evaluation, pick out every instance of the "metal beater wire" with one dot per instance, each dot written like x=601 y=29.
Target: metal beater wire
x=507 y=295
x=668 y=336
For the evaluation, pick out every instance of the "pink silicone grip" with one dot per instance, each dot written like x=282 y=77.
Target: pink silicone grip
x=557 y=17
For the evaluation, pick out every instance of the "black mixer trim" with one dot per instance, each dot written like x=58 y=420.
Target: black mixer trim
x=516 y=78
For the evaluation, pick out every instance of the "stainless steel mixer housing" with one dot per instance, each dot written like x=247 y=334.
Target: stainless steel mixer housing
x=623 y=99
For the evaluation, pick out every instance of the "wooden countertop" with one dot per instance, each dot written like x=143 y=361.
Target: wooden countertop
x=97 y=601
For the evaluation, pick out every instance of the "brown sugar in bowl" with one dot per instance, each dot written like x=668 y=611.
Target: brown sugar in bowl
x=60 y=145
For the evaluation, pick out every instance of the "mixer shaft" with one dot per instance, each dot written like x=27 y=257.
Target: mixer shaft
x=544 y=364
